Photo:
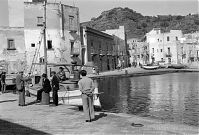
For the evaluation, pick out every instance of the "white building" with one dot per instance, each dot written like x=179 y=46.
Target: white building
x=62 y=34
x=138 y=51
x=163 y=46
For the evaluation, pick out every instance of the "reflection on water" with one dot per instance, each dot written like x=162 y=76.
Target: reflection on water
x=173 y=97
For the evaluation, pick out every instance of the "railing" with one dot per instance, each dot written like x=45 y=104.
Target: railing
x=75 y=51
x=93 y=51
x=102 y=52
x=109 y=52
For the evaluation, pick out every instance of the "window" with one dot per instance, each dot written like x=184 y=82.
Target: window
x=32 y=45
x=71 y=18
x=49 y=44
x=91 y=43
x=176 y=38
x=72 y=45
x=160 y=50
x=39 y=21
x=11 y=44
x=168 y=38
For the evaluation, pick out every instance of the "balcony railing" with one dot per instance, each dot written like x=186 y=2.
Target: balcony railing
x=102 y=52
x=94 y=52
x=168 y=54
x=109 y=53
x=75 y=51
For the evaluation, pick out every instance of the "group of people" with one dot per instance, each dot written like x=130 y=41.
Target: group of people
x=86 y=86
x=3 y=82
x=47 y=86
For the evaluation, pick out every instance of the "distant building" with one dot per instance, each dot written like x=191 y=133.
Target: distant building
x=138 y=51
x=98 y=49
x=188 y=50
x=121 y=44
x=12 y=50
x=62 y=33
x=163 y=46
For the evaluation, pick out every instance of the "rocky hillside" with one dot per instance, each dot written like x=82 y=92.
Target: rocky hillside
x=137 y=25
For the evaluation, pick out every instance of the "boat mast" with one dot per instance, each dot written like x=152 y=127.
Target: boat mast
x=44 y=35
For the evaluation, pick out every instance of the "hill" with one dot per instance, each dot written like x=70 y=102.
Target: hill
x=136 y=25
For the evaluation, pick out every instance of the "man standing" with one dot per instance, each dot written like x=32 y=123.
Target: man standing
x=55 y=87
x=20 y=84
x=87 y=87
x=3 y=82
x=45 y=87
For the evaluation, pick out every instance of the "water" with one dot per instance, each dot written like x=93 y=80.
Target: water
x=172 y=97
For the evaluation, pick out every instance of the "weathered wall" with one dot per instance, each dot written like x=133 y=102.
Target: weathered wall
x=16 y=58
x=57 y=30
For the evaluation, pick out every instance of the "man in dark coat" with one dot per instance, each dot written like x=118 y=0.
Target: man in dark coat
x=3 y=82
x=55 y=87
x=46 y=87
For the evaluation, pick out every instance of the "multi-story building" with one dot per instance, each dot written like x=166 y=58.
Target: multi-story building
x=62 y=33
x=12 y=46
x=188 y=49
x=98 y=49
x=138 y=51
x=120 y=41
x=163 y=45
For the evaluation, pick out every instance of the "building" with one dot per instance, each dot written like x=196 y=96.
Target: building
x=138 y=51
x=98 y=49
x=120 y=41
x=62 y=34
x=188 y=50
x=12 y=50
x=163 y=46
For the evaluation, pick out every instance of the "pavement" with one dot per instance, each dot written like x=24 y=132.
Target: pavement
x=36 y=119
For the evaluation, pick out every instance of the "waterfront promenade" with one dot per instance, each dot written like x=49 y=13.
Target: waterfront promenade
x=65 y=119
x=141 y=72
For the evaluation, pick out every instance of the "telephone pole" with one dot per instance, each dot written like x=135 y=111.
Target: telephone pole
x=44 y=34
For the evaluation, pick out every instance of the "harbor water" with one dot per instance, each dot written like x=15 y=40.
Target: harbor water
x=172 y=97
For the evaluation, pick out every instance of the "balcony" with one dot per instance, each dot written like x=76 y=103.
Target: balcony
x=168 y=54
x=93 y=51
x=109 y=53
x=101 y=52
x=75 y=51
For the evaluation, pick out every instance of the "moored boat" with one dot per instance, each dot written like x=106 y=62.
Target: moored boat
x=151 y=67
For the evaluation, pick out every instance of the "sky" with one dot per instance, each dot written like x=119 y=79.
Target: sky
x=93 y=8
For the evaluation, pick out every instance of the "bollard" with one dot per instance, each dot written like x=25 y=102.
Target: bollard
x=45 y=100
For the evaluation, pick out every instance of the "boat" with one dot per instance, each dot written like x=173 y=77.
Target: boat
x=69 y=97
x=177 y=66
x=150 y=67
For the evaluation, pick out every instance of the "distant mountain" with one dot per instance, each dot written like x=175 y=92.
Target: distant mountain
x=136 y=25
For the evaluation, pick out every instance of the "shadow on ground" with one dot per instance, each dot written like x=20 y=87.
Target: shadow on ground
x=8 y=128
x=101 y=115
x=7 y=101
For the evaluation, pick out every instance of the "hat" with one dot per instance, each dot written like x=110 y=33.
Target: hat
x=53 y=72
x=44 y=75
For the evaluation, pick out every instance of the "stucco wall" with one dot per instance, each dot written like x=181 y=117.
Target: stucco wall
x=15 y=58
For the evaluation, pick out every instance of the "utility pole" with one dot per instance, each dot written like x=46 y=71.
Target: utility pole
x=44 y=34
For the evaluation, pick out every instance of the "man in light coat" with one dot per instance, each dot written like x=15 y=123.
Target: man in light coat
x=87 y=87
